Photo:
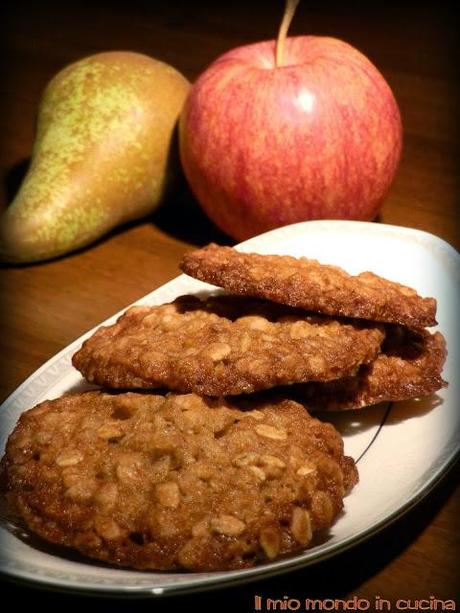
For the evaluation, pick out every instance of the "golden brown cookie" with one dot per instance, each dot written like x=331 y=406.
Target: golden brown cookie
x=409 y=366
x=310 y=285
x=154 y=482
x=225 y=345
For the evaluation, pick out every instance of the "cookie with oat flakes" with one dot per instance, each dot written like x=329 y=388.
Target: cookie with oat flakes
x=409 y=366
x=178 y=481
x=307 y=284
x=223 y=345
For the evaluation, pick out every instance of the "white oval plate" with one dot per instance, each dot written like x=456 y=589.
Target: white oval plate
x=403 y=449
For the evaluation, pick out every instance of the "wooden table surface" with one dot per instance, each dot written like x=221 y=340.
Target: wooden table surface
x=46 y=306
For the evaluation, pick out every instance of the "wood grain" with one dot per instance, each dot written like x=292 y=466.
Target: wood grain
x=46 y=306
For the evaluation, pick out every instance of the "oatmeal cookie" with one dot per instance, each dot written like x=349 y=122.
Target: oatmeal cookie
x=410 y=366
x=179 y=481
x=310 y=285
x=224 y=345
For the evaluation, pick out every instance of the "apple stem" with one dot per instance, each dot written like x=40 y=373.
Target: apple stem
x=289 y=11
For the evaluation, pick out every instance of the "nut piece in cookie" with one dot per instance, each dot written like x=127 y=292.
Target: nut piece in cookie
x=225 y=345
x=184 y=482
x=310 y=285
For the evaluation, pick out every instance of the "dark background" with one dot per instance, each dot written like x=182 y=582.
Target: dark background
x=416 y=48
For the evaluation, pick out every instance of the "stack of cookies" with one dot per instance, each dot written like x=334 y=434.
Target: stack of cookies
x=214 y=462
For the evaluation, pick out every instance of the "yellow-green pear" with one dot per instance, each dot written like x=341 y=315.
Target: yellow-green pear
x=100 y=158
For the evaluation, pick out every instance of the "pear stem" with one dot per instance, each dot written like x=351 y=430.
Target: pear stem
x=289 y=11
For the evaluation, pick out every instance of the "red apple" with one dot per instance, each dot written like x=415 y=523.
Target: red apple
x=318 y=137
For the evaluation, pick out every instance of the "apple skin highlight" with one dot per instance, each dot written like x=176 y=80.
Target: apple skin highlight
x=319 y=137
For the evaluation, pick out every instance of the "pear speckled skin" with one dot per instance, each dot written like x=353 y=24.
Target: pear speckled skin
x=101 y=154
